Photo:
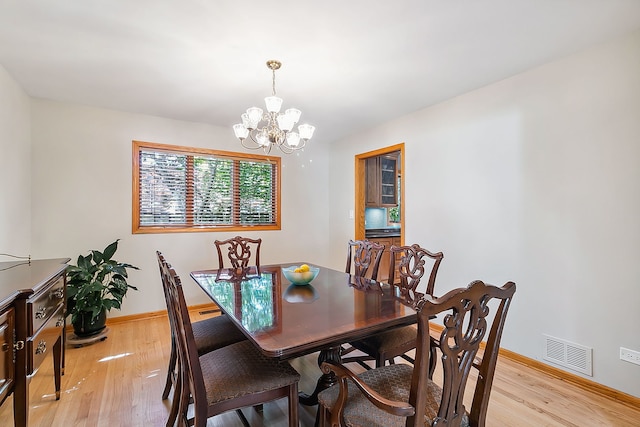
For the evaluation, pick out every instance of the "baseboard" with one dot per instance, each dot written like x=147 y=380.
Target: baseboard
x=151 y=315
x=159 y=313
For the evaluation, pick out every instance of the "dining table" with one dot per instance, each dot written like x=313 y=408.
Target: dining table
x=286 y=321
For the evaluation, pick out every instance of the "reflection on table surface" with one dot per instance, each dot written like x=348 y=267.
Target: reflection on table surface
x=296 y=294
x=286 y=320
x=250 y=300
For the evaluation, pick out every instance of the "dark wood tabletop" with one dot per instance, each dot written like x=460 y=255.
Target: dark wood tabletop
x=286 y=320
x=21 y=279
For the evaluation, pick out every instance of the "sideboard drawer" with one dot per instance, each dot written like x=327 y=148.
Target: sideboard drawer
x=42 y=343
x=42 y=306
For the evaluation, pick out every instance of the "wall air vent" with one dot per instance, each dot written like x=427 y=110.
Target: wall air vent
x=570 y=355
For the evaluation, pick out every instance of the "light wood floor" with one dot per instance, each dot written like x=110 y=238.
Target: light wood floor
x=118 y=382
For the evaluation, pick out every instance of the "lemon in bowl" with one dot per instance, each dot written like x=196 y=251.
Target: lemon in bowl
x=300 y=275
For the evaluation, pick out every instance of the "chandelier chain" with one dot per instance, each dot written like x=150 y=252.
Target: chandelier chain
x=273 y=82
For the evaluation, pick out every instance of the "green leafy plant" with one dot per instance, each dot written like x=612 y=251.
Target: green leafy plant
x=97 y=283
x=394 y=214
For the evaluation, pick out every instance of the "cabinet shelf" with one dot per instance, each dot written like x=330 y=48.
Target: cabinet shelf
x=381 y=180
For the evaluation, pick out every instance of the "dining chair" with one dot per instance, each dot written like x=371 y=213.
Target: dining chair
x=229 y=378
x=363 y=258
x=209 y=334
x=410 y=268
x=404 y=395
x=242 y=253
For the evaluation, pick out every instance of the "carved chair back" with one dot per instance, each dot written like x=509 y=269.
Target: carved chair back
x=190 y=375
x=467 y=314
x=242 y=253
x=164 y=275
x=365 y=257
x=410 y=268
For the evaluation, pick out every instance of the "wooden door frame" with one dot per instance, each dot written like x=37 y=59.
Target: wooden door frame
x=360 y=179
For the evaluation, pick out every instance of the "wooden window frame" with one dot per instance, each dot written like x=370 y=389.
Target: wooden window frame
x=186 y=228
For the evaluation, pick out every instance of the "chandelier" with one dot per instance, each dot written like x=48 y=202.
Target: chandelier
x=272 y=128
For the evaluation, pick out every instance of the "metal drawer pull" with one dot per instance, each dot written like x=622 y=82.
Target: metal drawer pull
x=57 y=293
x=41 y=313
x=42 y=347
x=59 y=322
x=18 y=345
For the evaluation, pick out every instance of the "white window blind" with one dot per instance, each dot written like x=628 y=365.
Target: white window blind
x=198 y=190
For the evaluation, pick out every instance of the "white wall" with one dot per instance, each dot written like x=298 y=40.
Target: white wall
x=82 y=159
x=15 y=169
x=533 y=179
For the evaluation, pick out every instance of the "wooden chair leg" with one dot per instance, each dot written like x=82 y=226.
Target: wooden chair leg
x=293 y=405
x=184 y=395
x=408 y=359
x=175 y=402
x=171 y=370
x=243 y=419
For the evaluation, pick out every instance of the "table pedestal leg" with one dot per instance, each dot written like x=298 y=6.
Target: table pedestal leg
x=326 y=380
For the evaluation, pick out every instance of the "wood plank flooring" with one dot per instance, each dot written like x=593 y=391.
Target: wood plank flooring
x=118 y=382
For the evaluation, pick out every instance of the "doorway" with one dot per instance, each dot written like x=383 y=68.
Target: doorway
x=361 y=188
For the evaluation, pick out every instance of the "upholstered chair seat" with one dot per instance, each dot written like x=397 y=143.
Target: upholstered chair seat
x=215 y=332
x=387 y=341
x=239 y=370
x=392 y=382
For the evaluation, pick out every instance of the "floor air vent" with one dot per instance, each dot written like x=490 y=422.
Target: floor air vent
x=568 y=354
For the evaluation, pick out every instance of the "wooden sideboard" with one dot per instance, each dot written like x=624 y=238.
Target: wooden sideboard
x=32 y=322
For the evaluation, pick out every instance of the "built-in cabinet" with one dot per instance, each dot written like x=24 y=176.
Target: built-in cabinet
x=383 y=271
x=381 y=181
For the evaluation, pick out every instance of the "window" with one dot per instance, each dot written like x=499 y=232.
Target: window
x=182 y=189
x=394 y=212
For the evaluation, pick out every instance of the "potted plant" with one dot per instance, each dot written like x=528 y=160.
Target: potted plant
x=95 y=285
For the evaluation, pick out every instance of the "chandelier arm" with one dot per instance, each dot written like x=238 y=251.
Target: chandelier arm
x=253 y=134
x=286 y=148
x=252 y=140
x=300 y=146
x=249 y=147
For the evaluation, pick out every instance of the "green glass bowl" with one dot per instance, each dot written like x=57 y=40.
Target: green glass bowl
x=303 y=278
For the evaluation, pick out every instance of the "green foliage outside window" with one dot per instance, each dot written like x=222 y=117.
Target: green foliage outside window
x=204 y=189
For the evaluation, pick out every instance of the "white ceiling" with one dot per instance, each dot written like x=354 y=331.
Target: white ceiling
x=347 y=64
